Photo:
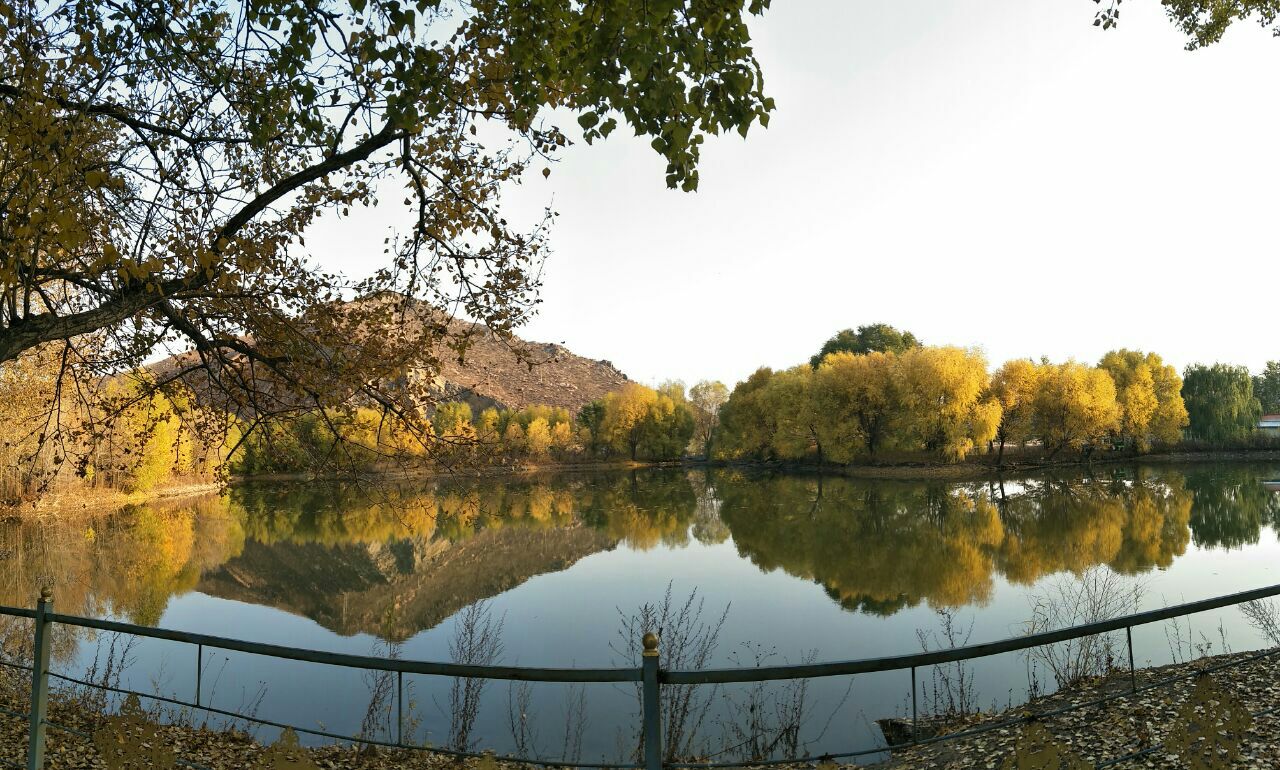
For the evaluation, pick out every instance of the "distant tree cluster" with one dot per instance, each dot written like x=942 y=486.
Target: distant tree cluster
x=634 y=422
x=943 y=400
x=640 y=423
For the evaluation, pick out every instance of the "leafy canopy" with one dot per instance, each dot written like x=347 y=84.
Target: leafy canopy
x=161 y=164
x=1220 y=402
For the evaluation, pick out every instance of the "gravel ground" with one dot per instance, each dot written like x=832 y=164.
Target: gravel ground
x=1103 y=733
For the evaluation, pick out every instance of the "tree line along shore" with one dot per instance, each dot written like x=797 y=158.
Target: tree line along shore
x=869 y=398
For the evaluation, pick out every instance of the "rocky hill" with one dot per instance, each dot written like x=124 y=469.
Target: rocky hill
x=510 y=374
x=493 y=371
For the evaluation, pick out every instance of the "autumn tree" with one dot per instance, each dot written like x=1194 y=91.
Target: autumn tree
x=1075 y=407
x=625 y=413
x=945 y=403
x=860 y=399
x=1015 y=386
x=1220 y=402
x=1149 y=393
x=163 y=163
x=537 y=438
x=881 y=338
x=706 y=398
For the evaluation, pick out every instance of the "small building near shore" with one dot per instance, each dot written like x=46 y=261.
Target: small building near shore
x=1269 y=423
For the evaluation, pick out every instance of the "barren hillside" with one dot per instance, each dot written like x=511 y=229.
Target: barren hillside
x=492 y=373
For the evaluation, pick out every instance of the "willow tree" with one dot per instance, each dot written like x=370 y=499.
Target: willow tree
x=161 y=164
x=1014 y=386
x=1220 y=402
x=1149 y=393
x=1075 y=406
x=947 y=406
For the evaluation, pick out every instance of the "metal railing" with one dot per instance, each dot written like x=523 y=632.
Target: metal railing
x=650 y=677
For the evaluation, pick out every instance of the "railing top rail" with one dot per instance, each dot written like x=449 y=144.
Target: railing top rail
x=985 y=649
x=515 y=673
x=705 y=676
x=17 y=612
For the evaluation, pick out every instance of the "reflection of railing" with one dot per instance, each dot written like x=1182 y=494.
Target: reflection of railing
x=649 y=675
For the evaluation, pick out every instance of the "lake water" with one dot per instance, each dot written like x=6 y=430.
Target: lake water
x=786 y=567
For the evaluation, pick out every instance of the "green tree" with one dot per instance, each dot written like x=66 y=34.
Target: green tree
x=791 y=399
x=746 y=424
x=591 y=418
x=881 y=338
x=706 y=398
x=452 y=418
x=1266 y=387
x=1220 y=402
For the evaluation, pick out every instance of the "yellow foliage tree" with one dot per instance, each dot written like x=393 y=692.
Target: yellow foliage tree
x=945 y=401
x=1015 y=386
x=537 y=438
x=1149 y=393
x=562 y=437
x=626 y=411
x=859 y=398
x=1075 y=406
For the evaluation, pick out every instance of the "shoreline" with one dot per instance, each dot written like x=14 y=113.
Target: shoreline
x=976 y=470
x=68 y=503
x=87 y=503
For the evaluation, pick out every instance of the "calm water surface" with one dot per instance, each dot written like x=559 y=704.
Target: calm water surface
x=798 y=567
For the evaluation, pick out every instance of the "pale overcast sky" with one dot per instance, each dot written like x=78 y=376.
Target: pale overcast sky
x=991 y=173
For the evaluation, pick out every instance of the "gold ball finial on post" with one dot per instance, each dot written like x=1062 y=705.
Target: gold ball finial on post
x=650 y=642
x=46 y=593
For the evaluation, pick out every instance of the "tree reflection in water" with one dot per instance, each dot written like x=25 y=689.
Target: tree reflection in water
x=874 y=546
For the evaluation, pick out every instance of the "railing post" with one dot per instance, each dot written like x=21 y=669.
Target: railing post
x=399 y=708
x=915 y=724
x=199 y=671
x=1133 y=672
x=39 y=681
x=652 y=705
